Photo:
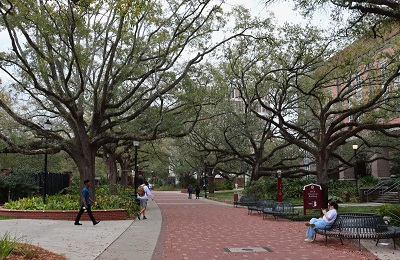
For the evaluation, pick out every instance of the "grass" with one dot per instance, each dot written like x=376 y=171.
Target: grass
x=7 y=245
x=15 y=247
x=3 y=218
x=225 y=196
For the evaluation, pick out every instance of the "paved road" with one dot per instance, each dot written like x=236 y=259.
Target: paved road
x=179 y=228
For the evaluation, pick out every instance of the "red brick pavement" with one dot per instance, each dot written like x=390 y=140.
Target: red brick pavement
x=197 y=229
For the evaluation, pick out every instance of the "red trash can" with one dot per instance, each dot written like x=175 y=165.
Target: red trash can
x=235 y=197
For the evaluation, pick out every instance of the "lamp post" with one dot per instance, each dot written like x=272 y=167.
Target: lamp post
x=205 y=180
x=136 y=145
x=47 y=127
x=355 y=147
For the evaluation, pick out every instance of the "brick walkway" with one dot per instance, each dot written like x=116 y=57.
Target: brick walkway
x=200 y=229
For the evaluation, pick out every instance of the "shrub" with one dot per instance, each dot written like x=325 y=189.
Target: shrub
x=264 y=188
x=293 y=188
x=368 y=181
x=166 y=188
x=227 y=185
x=341 y=191
x=217 y=186
x=12 y=248
x=123 y=199
x=391 y=211
x=7 y=245
x=19 y=184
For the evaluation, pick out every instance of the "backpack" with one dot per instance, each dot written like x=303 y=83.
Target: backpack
x=140 y=191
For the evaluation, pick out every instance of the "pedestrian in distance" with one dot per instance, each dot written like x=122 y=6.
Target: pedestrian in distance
x=197 y=190
x=86 y=201
x=190 y=191
x=143 y=193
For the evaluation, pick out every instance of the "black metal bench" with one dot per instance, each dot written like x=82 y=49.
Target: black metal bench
x=245 y=201
x=360 y=226
x=260 y=206
x=281 y=209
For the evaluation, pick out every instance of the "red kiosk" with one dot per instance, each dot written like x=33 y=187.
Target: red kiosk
x=312 y=197
x=280 y=189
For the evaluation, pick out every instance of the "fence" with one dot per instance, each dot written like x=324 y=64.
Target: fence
x=55 y=181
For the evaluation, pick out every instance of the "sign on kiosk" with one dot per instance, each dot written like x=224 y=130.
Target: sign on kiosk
x=312 y=197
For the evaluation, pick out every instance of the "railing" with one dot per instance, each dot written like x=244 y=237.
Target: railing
x=379 y=186
x=373 y=189
x=389 y=189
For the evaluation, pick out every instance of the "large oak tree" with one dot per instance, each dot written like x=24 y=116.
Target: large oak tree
x=101 y=71
x=320 y=99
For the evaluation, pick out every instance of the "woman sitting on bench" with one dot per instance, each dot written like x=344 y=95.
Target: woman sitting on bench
x=322 y=223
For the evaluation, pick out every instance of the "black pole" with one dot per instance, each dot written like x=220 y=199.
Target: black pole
x=356 y=172
x=47 y=127
x=44 y=178
x=136 y=169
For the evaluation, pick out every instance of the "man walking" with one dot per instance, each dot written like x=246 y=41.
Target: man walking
x=143 y=194
x=85 y=204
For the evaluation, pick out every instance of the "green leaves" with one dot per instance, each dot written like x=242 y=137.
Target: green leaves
x=105 y=199
x=7 y=245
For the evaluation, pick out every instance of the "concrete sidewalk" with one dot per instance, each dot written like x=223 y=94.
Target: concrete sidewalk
x=63 y=237
x=139 y=240
x=120 y=239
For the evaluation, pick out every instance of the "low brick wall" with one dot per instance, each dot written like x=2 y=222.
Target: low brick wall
x=112 y=214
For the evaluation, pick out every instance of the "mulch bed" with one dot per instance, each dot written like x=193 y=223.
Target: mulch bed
x=26 y=251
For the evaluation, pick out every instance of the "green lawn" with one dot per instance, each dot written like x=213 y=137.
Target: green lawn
x=225 y=196
x=2 y=218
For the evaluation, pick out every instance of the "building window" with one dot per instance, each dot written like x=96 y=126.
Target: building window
x=396 y=84
x=235 y=93
x=383 y=66
x=358 y=81
x=358 y=88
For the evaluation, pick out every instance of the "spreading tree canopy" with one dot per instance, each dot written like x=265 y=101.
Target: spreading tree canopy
x=103 y=72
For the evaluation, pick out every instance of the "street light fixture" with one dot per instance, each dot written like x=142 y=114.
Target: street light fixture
x=136 y=145
x=355 y=147
x=47 y=126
